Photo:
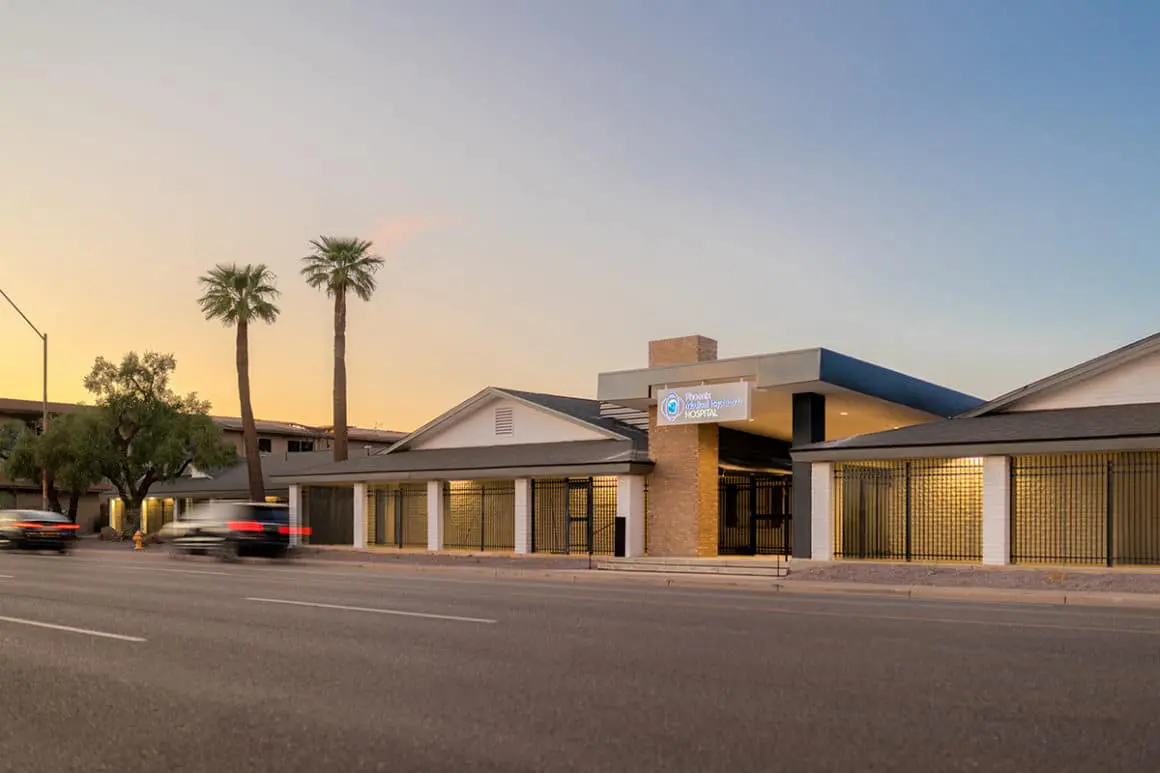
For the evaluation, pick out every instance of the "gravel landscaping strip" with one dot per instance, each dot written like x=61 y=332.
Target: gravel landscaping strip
x=1112 y=581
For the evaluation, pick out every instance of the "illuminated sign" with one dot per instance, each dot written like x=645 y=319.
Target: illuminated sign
x=705 y=404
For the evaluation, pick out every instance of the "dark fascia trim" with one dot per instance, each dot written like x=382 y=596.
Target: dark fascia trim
x=1018 y=448
x=237 y=494
x=892 y=386
x=613 y=468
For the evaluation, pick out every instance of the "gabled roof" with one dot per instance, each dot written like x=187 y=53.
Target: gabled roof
x=1074 y=374
x=1105 y=427
x=578 y=410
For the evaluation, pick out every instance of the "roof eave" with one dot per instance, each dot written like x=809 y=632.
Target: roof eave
x=631 y=467
x=961 y=450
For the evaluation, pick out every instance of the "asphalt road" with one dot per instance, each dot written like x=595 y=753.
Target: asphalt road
x=228 y=668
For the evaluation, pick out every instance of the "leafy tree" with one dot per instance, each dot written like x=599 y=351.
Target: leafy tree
x=146 y=432
x=341 y=266
x=238 y=296
x=10 y=431
x=68 y=454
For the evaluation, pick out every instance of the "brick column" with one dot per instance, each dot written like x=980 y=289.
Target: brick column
x=683 y=485
x=683 y=489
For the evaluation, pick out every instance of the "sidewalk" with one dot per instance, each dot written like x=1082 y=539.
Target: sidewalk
x=1080 y=586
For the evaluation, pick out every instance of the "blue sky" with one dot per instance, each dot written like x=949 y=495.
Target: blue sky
x=965 y=191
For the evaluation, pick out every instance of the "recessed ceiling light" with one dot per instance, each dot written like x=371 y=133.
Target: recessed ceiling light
x=844 y=413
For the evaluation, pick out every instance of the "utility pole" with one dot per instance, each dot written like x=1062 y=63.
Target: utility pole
x=43 y=395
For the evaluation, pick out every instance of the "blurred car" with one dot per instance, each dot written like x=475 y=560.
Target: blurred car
x=230 y=530
x=36 y=530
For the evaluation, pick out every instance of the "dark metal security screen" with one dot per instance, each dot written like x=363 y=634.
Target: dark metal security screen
x=922 y=510
x=574 y=516
x=754 y=514
x=479 y=515
x=1068 y=509
x=329 y=513
x=399 y=516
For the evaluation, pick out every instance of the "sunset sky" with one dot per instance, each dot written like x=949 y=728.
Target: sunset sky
x=965 y=191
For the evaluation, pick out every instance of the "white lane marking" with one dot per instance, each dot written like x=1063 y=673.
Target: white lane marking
x=6 y=577
x=118 y=565
x=70 y=629
x=398 y=612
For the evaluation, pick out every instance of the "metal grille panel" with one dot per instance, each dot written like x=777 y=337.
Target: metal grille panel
x=920 y=510
x=574 y=515
x=1069 y=508
x=398 y=516
x=479 y=515
x=754 y=514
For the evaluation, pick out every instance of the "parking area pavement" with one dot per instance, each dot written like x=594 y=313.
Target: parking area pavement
x=130 y=662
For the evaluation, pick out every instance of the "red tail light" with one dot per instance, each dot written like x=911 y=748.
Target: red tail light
x=26 y=525
x=303 y=531
x=66 y=526
x=245 y=526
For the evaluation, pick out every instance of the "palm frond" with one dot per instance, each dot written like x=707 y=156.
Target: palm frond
x=236 y=294
x=342 y=265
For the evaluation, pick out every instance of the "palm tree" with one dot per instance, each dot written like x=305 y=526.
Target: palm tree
x=341 y=266
x=239 y=295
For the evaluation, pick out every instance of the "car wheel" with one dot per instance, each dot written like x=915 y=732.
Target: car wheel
x=227 y=551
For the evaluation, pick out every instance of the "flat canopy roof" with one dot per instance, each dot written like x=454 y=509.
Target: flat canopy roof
x=861 y=397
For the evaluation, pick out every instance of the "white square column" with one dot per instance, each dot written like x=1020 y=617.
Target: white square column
x=630 y=507
x=996 y=510
x=295 y=514
x=360 y=515
x=434 y=515
x=523 y=515
x=822 y=516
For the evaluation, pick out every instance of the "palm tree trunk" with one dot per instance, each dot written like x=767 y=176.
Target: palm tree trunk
x=249 y=429
x=340 y=445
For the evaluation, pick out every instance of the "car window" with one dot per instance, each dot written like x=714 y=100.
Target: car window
x=267 y=514
x=46 y=517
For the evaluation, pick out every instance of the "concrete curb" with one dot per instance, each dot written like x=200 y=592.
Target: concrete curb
x=574 y=576
x=979 y=594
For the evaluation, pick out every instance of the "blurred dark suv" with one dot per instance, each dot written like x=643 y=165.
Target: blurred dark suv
x=230 y=530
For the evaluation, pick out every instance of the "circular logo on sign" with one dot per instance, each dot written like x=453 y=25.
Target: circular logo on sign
x=672 y=406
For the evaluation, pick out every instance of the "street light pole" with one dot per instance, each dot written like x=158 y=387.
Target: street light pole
x=43 y=395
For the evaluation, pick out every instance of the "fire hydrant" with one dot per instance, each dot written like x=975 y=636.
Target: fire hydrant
x=137 y=538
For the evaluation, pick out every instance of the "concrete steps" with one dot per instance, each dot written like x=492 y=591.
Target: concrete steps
x=749 y=567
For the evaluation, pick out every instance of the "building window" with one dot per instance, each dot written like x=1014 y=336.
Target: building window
x=504 y=422
x=300 y=446
x=265 y=445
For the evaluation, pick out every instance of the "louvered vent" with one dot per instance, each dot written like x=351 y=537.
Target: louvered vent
x=505 y=425
x=631 y=416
